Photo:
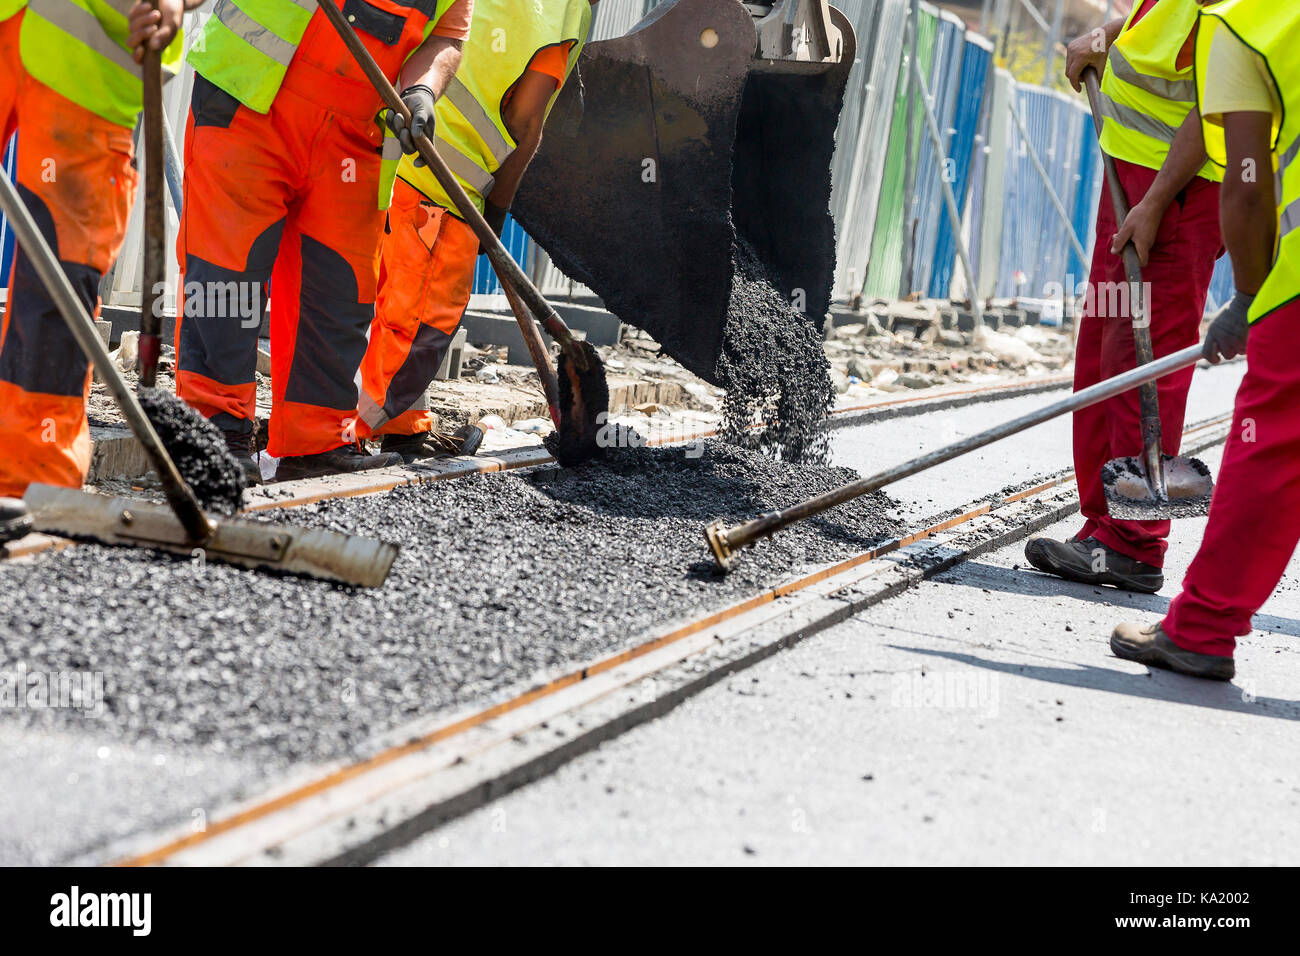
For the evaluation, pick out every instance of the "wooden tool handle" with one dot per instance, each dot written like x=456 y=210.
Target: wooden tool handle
x=155 y=220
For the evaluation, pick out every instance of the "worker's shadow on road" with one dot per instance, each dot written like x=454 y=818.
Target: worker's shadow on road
x=1033 y=583
x=1153 y=685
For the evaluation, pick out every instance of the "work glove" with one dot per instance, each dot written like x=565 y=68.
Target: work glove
x=496 y=218
x=419 y=99
x=1227 y=335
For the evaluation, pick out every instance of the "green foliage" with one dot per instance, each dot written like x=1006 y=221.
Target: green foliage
x=1022 y=55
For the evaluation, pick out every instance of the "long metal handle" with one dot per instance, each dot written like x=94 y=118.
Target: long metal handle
x=155 y=220
x=179 y=495
x=509 y=271
x=726 y=541
x=1149 y=395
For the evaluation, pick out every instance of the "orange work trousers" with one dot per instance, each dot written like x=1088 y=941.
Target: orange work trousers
x=426 y=274
x=289 y=197
x=74 y=174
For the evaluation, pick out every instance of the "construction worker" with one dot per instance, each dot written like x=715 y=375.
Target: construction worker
x=70 y=83
x=287 y=173
x=489 y=128
x=1151 y=128
x=1248 y=82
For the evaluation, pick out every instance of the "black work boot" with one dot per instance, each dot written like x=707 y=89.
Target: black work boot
x=1091 y=562
x=1152 y=646
x=244 y=447
x=14 y=519
x=434 y=444
x=339 y=461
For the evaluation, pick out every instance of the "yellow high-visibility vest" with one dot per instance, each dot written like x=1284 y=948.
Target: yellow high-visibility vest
x=1270 y=29
x=78 y=49
x=472 y=136
x=1145 y=97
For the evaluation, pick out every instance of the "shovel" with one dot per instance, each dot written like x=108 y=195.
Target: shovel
x=1153 y=486
x=725 y=542
x=581 y=393
x=181 y=526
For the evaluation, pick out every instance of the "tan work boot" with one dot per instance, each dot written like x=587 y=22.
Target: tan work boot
x=1152 y=646
x=1091 y=562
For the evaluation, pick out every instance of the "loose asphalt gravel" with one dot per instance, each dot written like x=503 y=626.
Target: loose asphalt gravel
x=774 y=368
x=501 y=578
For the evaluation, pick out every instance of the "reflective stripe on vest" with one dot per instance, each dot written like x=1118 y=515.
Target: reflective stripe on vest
x=78 y=49
x=85 y=26
x=473 y=111
x=1145 y=95
x=1181 y=91
x=472 y=134
x=1133 y=119
x=254 y=34
x=1268 y=29
x=479 y=180
x=389 y=157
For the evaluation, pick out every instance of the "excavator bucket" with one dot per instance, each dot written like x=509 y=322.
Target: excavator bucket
x=703 y=134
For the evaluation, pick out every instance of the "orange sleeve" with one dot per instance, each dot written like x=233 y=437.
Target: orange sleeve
x=454 y=24
x=552 y=62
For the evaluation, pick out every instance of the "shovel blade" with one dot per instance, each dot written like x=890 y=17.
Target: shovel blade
x=1132 y=496
x=129 y=522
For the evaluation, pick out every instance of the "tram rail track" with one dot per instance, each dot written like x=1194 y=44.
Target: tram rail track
x=440 y=767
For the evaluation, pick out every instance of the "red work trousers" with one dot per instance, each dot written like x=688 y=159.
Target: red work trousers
x=1177 y=277
x=75 y=177
x=426 y=275
x=1255 y=515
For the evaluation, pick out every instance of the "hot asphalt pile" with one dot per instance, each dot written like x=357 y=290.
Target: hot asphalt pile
x=500 y=579
x=198 y=449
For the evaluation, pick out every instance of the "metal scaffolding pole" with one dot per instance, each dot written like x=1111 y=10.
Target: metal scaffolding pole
x=909 y=160
x=1049 y=44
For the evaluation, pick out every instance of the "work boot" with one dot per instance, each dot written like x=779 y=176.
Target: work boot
x=434 y=444
x=339 y=461
x=244 y=447
x=14 y=519
x=1152 y=646
x=1091 y=562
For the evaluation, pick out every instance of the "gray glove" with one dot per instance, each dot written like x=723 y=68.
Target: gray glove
x=419 y=99
x=1227 y=335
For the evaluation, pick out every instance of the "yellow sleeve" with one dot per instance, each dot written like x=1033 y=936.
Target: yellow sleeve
x=1237 y=81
